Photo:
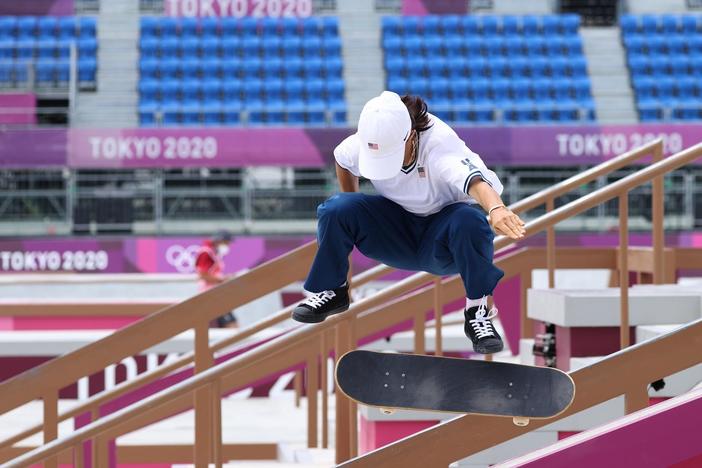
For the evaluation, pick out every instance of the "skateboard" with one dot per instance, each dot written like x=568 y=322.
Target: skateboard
x=409 y=381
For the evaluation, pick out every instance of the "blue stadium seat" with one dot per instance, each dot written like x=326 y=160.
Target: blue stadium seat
x=313 y=68
x=209 y=27
x=231 y=91
x=453 y=47
x=270 y=27
x=293 y=68
x=248 y=26
x=46 y=72
x=87 y=26
x=437 y=67
x=570 y=24
x=410 y=26
x=230 y=47
x=417 y=67
x=550 y=25
x=273 y=89
x=498 y=67
x=472 y=46
x=251 y=68
x=395 y=66
x=536 y=47
x=478 y=90
x=188 y=27
x=335 y=90
x=8 y=28
x=272 y=46
x=449 y=24
x=649 y=24
x=148 y=91
x=333 y=67
x=530 y=25
x=397 y=84
x=292 y=47
x=251 y=47
x=499 y=90
x=469 y=25
x=87 y=47
x=27 y=27
x=518 y=67
x=330 y=25
x=457 y=67
x=228 y=27
x=392 y=45
x=510 y=25
x=629 y=24
x=273 y=68
x=493 y=46
x=311 y=47
x=188 y=48
x=332 y=47
x=478 y=67
x=252 y=92
x=514 y=46
x=7 y=50
x=574 y=45
x=211 y=46
x=489 y=25
x=25 y=48
x=190 y=91
x=430 y=25
x=438 y=89
x=169 y=90
x=670 y=24
x=418 y=86
x=391 y=25
x=87 y=69
x=48 y=27
x=231 y=68
x=689 y=24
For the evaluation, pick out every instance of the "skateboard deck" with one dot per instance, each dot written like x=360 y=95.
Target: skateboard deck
x=410 y=381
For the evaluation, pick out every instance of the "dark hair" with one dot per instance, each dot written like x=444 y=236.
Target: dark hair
x=418 y=112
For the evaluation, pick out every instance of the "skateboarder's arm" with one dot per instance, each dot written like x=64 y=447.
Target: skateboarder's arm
x=502 y=220
x=347 y=181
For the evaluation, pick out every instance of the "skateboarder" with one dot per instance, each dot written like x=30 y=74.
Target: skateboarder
x=426 y=216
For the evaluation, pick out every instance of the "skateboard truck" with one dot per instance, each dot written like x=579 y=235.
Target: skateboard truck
x=387 y=411
x=521 y=422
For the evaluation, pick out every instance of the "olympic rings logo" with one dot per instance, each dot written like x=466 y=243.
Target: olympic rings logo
x=182 y=258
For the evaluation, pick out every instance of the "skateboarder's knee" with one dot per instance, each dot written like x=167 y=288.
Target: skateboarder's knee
x=468 y=222
x=340 y=204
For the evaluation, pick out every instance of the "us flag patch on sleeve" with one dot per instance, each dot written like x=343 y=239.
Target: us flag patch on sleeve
x=373 y=146
x=422 y=173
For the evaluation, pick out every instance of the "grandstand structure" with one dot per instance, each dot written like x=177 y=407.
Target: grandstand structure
x=498 y=67
x=134 y=131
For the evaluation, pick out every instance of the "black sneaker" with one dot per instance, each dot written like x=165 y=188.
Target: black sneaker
x=481 y=331
x=319 y=306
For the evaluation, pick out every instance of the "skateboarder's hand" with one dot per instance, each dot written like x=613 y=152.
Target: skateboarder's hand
x=504 y=222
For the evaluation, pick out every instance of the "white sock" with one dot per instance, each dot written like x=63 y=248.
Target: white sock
x=473 y=302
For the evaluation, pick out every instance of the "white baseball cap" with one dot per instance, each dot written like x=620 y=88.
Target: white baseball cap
x=383 y=129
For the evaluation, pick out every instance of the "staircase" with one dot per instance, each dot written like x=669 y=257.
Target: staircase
x=359 y=27
x=609 y=76
x=115 y=102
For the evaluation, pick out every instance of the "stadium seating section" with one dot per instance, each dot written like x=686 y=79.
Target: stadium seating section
x=40 y=47
x=665 y=59
x=491 y=69
x=230 y=71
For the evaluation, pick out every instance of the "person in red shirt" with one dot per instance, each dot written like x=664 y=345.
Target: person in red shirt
x=209 y=265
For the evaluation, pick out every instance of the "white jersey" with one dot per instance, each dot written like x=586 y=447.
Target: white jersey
x=440 y=175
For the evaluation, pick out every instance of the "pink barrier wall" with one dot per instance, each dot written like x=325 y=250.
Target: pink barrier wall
x=667 y=434
x=18 y=108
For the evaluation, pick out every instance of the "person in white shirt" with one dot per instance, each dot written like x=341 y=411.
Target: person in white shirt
x=424 y=218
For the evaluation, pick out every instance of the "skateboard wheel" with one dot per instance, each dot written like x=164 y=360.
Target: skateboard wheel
x=521 y=422
x=387 y=410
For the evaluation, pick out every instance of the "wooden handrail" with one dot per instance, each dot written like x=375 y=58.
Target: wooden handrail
x=632 y=368
x=303 y=334
x=585 y=177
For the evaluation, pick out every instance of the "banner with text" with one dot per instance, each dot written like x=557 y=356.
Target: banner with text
x=239 y=8
x=242 y=147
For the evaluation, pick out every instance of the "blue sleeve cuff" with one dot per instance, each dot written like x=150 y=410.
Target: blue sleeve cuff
x=472 y=176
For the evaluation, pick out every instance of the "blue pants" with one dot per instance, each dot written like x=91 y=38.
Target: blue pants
x=457 y=239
